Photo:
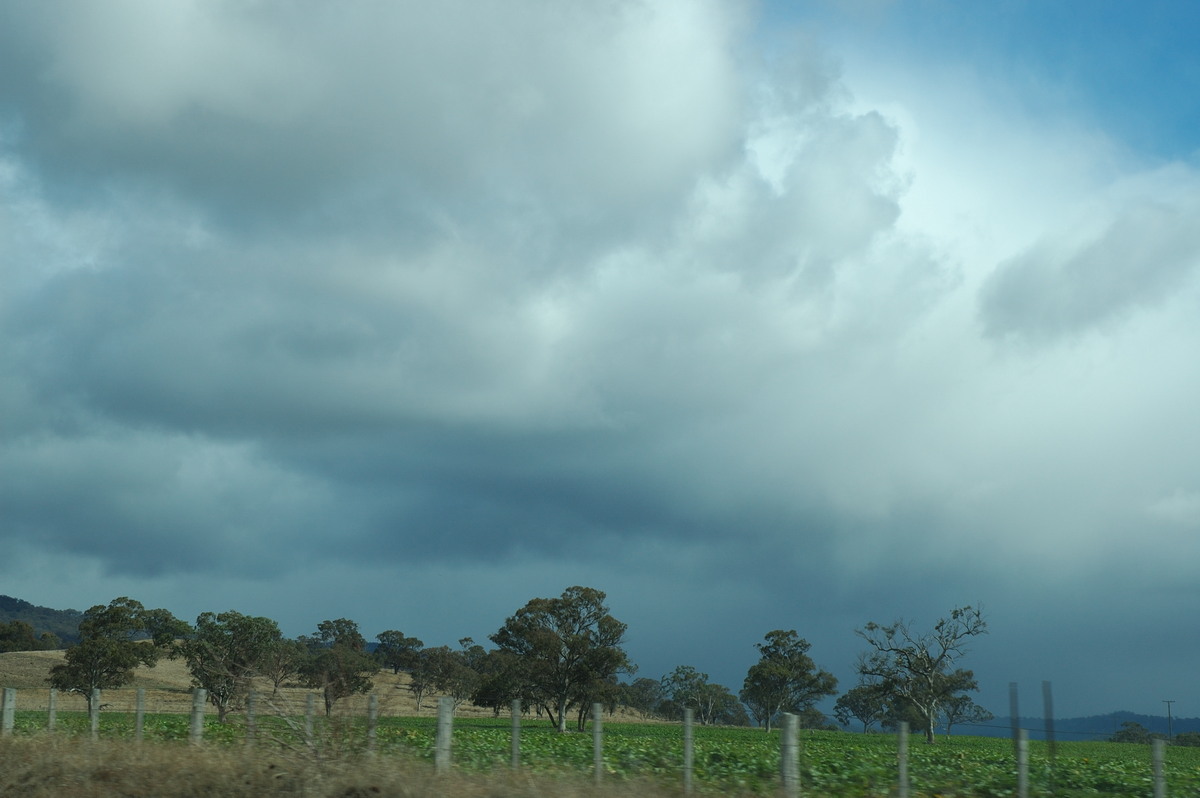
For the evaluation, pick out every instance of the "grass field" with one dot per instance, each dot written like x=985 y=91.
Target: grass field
x=727 y=761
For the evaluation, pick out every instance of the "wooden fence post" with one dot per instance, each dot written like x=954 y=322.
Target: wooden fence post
x=94 y=713
x=52 y=707
x=902 y=760
x=139 y=717
x=8 y=708
x=1156 y=759
x=251 y=720
x=1022 y=764
x=199 y=699
x=310 y=708
x=597 y=742
x=1048 y=714
x=1013 y=715
x=445 y=727
x=688 y=753
x=372 y=720
x=516 y=734
x=789 y=761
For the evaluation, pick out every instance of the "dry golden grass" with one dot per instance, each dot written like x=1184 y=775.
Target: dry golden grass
x=27 y=669
x=56 y=765
x=168 y=687
x=44 y=766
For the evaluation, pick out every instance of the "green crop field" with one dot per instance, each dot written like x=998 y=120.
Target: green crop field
x=726 y=760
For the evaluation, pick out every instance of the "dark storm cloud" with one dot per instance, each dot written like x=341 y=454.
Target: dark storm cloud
x=491 y=383
x=150 y=504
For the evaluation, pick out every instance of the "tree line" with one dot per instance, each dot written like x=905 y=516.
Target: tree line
x=21 y=636
x=1133 y=732
x=557 y=656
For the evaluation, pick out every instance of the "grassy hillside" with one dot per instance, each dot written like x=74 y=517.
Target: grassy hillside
x=168 y=688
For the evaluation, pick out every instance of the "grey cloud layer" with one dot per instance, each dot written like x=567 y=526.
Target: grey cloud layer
x=260 y=111
x=1141 y=257
x=588 y=271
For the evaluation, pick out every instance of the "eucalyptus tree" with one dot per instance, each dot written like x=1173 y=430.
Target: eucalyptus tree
x=114 y=640
x=569 y=649
x=19 y=635
x=963 y=709
x=867 y=703
x=687 y=688
x=681 y=688
x=224 y=652
x=785 y=678
x=450 y=673
x=917 y=668
x=645 y=696
x=397 y=650
x=284 y=660
x=338 y=662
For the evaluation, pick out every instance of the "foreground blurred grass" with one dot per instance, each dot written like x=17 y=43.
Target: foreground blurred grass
x=49 y=765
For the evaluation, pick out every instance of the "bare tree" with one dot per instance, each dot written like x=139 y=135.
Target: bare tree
x=916 y=668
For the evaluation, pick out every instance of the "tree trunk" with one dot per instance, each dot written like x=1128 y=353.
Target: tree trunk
x=561 y=721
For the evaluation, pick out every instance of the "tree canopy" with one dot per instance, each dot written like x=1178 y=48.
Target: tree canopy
x=1133 y=732
x=569 y=649
x=866 y=703
x=338 y=661
x=21 y=636
x=396 y=650
x=225 y=651
x=114 y=640
x=963 y=709
x=785 y=678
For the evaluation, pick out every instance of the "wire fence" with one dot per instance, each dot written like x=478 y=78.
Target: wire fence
x=302 y=730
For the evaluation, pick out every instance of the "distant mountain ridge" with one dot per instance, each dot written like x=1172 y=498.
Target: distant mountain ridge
x=62 y=623
x=1093 y=727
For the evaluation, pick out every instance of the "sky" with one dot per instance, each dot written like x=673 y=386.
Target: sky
x=754 y=316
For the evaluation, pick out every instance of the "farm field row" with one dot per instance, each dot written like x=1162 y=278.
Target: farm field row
x=726 y=760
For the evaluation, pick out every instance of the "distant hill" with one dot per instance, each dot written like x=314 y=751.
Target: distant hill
x=62 y=623
x=1093 y=727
